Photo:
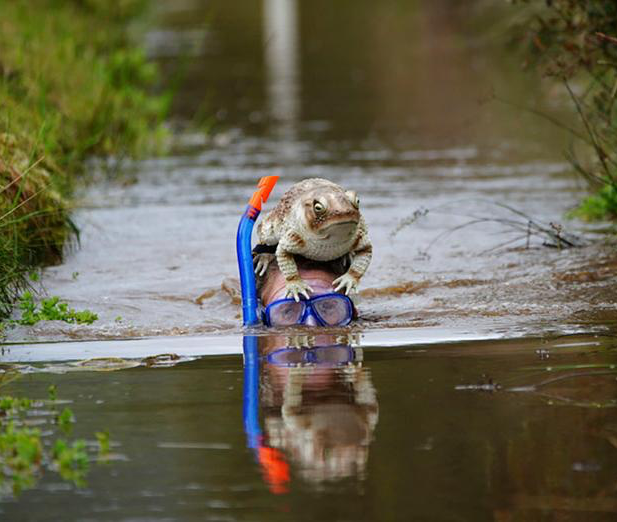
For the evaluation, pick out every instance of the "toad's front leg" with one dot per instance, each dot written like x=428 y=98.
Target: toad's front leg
x=361 y=256
x=294 y=286
x=261 y=262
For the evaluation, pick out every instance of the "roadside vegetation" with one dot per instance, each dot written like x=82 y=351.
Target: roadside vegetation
x=50 y=309
x=72 y=86
x=575 y=42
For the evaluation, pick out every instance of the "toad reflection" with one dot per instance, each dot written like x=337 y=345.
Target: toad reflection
x=318 y=407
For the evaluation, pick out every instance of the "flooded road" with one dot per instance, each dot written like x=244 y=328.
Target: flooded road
x=397 y=107
x=480 y=380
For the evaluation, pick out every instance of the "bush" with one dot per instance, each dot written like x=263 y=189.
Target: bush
x=575 y=42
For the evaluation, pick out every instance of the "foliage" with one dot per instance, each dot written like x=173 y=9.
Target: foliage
x=24 y=456
x=575 y=41
x=71 y=460
x=34 y=223
x=65 y=420
x=102 y=438
x=600 y=205
x=51 y=309
x=72 y=86
x=21 y=455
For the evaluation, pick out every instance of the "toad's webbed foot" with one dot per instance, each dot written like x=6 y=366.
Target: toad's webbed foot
x=297 y=287
x=347 y=282
x=261 y=263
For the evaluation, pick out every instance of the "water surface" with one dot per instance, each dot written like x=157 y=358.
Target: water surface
x=511 y=430
x=461 y=394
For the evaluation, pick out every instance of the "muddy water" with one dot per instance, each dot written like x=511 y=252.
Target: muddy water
x=458 y=396
x=396 y=106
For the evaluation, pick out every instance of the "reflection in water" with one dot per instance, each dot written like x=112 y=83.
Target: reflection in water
x=280 y=36
x=542 y=446
x=318 y=404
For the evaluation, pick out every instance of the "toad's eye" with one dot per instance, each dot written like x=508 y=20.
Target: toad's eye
x=353 y=197
x=318 y=207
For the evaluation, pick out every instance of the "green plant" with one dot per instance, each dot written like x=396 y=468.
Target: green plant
x=598 y=206
x=21 y=455
x=102 y=438
x=51 y=309
x=24 y=456
x=65 y=420
x=71 y=460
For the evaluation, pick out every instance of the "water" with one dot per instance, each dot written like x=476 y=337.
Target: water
x=479 y=382
x=459 y=431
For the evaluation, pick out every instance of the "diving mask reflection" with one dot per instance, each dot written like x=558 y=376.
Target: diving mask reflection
x=327 y=310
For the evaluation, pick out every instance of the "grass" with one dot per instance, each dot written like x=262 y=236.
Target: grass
x=72 y=86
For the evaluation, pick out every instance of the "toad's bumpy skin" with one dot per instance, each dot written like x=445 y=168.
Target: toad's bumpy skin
x=319 y=220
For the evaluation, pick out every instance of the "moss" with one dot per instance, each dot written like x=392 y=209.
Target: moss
x=72 y=86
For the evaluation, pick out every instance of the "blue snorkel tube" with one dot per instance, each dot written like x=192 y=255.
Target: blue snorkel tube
x=244 y=249
x=249 y=308
x=274 y=466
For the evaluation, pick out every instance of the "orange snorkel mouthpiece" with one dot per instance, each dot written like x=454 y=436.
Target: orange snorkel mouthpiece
x=264 y=187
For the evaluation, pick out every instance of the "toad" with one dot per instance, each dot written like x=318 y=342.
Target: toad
x=318 y=220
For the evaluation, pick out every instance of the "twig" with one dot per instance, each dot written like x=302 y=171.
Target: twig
x=452 y=230
x=599 y=151
x=547 y=117
x=606 y=37
x=579 y=168
x=563 y=377
x=20 y=176
x=22 y=203
x=504 y=244
x=558 y=238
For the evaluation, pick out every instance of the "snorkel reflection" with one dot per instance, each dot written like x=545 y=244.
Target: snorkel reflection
x=317 y=404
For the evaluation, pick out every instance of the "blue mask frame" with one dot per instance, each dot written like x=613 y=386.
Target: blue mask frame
x=314 y=356
x=309 y=309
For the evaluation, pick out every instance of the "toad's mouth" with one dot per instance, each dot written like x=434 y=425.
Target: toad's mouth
x=339 y=231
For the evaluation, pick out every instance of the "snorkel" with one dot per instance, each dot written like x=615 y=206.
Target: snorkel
x=272 y=461
x=273 y=464
x=244 y=249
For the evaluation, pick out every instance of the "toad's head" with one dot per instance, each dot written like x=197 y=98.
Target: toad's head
x=330 y=213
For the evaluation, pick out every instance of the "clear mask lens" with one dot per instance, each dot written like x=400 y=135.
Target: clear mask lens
x=332 y=310
x=286 y=313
